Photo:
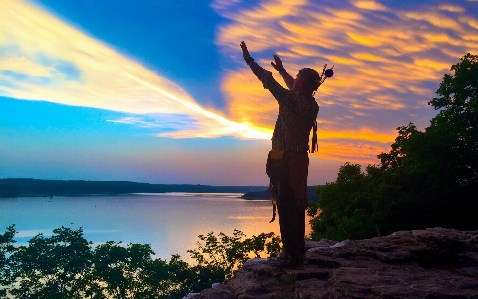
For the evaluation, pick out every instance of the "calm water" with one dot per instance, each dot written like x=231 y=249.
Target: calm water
x=170 y=222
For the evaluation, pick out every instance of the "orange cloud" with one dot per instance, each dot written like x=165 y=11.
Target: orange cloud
x=276 y=9
x=436 y=19
x=473 y=23
x=358 y=152
x=367 y=57
x=429 y=63
x=385 y=60
x=370 y=5
x=451 y=8
x=363 y=134
x=248 y=101
x=371 y=40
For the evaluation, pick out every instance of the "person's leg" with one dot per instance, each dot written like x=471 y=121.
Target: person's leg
x=297 y=193
x=299 y=242
x=288 y=228
x=292 y=227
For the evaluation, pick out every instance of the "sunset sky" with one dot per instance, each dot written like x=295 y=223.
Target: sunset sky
x=157 y=90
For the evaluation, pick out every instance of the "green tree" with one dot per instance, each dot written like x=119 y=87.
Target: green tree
x=222 y=254
x=456 y=122
x=6 y=263
x=66 y=265
x=427 y=179
x=342 y=204
x=53 y=267
x=125 y=271
x=454 y=137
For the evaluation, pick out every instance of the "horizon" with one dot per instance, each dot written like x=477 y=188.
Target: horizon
x=135 y=182
x=158 y=92
x=123 y=181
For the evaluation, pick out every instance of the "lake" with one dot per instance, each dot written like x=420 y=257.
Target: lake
x=169 y=222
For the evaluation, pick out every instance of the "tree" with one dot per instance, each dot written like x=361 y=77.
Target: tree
x=427 y=179
x=224 y=253
x=456 y=123
x=343 y=206
x=454 y=133
x=54 y=267
x=66 y=265
x=6 y=263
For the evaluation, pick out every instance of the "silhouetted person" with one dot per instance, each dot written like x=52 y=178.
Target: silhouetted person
x=288 y=161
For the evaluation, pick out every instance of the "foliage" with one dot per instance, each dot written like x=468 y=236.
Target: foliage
x=455 y=125
x=6 y=263
x=427 y=179
x=51 y=266
x=346 y=206
x=66 y=265
x=225 y=253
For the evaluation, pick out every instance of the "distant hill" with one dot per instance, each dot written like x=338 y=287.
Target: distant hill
x=255 y=195
x=36 y=187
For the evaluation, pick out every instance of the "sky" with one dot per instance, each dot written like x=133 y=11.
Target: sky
x=157 y=91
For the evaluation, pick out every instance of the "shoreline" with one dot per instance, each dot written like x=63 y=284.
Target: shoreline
x=21 y=187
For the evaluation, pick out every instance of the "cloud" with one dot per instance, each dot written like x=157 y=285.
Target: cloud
x=388 y=63
x=24 y=65
x=222 y=5
x=472 y=22
x=157 y=123
x=248 y=100
x=358 y=152
x=433 y=18
x=452 y=8
x=44 y=58
x=370 y=5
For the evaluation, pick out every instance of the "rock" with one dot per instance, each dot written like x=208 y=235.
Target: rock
x=431 y=263
x=192 y=296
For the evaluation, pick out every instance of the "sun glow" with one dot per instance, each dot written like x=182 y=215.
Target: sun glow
x=92 y=74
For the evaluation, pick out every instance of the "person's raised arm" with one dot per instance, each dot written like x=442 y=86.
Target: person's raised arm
x=289 y=81
x=256 y=69
x=265 y=76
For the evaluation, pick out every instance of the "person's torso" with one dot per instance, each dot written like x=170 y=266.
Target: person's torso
x=291 y=132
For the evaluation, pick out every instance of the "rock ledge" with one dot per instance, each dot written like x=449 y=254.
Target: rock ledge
x=431 y=263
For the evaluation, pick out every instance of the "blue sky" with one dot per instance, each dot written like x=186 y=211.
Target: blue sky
x=157 y=91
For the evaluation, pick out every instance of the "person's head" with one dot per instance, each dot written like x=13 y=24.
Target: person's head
x=307 y=81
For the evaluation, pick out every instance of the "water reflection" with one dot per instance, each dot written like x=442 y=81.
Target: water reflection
x=169 y=222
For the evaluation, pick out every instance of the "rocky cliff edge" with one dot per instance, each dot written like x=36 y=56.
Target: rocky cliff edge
x=431 y=263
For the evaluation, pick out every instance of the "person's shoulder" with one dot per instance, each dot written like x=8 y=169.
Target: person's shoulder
x=312 y=103
x=310 y=100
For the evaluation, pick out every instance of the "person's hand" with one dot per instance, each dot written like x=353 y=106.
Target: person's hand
x=245 y=52
x=278 y=65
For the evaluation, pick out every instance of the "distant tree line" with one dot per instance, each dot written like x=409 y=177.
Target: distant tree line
x=312 y=194
x=427 y=179
x=36 y=187
x=67 y=266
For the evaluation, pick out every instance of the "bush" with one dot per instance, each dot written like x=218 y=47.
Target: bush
x=66 y=265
